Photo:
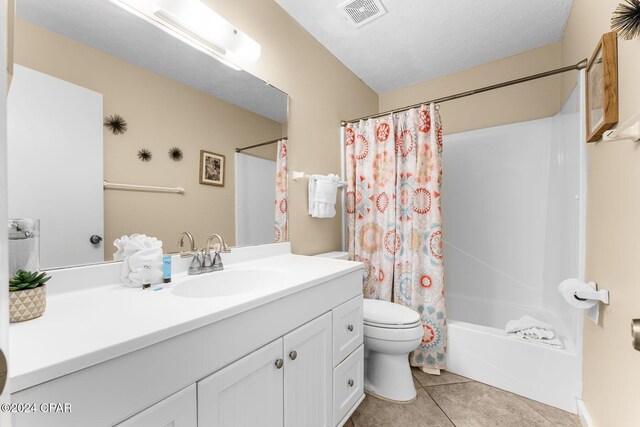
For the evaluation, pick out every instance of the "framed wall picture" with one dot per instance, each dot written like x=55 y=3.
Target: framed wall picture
x=602 y=88
x=211 y=168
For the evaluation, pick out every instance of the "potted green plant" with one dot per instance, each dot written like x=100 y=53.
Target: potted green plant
x=27 y=295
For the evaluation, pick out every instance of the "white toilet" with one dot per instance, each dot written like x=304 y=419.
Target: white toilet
x=391 y=332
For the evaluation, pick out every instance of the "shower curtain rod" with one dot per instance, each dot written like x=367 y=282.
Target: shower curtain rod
x=579 y=66
x=261 y=144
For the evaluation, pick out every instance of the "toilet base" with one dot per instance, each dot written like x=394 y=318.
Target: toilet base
x=389 y=376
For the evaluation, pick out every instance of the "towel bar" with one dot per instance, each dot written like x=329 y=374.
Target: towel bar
x=296 y=176
x=132 y=187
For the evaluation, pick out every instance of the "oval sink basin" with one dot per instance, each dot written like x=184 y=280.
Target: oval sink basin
x=228 y=283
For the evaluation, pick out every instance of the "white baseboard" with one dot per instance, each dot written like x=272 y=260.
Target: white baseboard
x=583 y=413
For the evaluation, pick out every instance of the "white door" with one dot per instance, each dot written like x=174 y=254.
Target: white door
x=5 y=416
x=308 y=374
x=255 y=200
x=246 y=393
x=55 y=165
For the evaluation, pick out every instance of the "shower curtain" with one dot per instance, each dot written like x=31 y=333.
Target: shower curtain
x=394 y=172
x=281 y=229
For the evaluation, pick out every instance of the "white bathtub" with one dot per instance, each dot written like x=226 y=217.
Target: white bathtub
x=478 y=348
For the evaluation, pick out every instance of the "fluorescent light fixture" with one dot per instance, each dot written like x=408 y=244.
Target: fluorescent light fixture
x=196 y=24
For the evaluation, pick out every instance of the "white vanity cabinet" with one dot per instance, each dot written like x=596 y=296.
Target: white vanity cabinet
x=295 y=361
x=287 y=382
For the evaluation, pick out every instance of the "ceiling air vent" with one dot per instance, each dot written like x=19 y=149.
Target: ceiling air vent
x=361 y=12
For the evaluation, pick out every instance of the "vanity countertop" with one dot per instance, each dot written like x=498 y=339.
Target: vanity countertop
x=82 y=328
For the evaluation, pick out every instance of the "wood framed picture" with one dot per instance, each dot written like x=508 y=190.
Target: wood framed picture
x=602 y=88
x=211 y=168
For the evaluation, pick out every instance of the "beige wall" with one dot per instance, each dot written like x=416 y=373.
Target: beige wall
x=527 y=101
x=611 y=388
x=161 y=114
x=322 y=91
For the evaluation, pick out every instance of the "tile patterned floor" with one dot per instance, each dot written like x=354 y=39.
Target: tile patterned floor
x=451 y=400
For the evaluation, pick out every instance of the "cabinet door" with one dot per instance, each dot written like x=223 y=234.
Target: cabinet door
x=177 y=410
x=308 y=374
x=248 y=392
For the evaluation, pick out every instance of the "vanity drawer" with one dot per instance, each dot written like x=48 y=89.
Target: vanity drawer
x=348 y=379
x=347 y=328
x=177 y=410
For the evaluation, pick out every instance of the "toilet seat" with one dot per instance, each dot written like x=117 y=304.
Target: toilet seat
x=388 y=321
x=385 y=314
x=393 y=334
x=392 y=326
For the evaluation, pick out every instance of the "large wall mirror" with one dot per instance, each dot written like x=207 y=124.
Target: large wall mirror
x=103 y=99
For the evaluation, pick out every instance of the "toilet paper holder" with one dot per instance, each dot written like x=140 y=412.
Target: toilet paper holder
x=596 y=294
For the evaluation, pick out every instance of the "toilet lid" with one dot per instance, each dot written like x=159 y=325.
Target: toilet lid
x=388 y=314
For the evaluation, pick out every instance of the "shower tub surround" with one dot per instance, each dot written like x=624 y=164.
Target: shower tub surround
x=513 y=218
x=274 y=337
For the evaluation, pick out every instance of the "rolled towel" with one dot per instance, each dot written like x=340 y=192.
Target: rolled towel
x=136 y=251
x=526 y=322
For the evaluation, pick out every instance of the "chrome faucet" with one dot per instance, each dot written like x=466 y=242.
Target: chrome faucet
x=215 y=263
x=196 y=263
x=202 y=261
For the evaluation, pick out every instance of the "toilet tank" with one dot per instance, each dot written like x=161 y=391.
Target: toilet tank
x=335 y=255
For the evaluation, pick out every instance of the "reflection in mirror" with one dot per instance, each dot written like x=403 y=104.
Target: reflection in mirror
x=256 y=167
x=119 y=125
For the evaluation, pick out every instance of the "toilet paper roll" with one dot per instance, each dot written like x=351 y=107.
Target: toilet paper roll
x=568 y=289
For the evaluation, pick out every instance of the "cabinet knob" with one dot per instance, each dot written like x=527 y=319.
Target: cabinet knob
x=350 y=382
x=293 y=355
x=635 y=333
x=279 y=363
x=350 y=328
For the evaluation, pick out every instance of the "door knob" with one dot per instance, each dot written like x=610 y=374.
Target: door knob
x=95 y=239
x=279 y=363
x=350 y=328
x=3 y=371
x=293 y=355
x=635 y=333
x=350 y=382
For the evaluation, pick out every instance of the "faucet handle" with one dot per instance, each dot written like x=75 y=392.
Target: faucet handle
x=206 y=259
x=217 y=260
x=196 y=264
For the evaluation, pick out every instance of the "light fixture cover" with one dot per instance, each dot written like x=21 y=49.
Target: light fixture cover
x=195 y=23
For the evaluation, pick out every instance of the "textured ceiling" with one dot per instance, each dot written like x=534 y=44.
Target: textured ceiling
x=418 y=40
x=107 y=27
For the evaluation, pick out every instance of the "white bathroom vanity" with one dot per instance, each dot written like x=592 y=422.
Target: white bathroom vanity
x=274 y=339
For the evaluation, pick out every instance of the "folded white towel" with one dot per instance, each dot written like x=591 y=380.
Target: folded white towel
x=526 y=322
x=135 y=251
x=539 y=336
x=537 y=333
x=322 y=195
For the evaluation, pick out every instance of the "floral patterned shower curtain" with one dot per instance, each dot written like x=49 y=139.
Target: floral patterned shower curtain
x=281 y=229
x=394 y=172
